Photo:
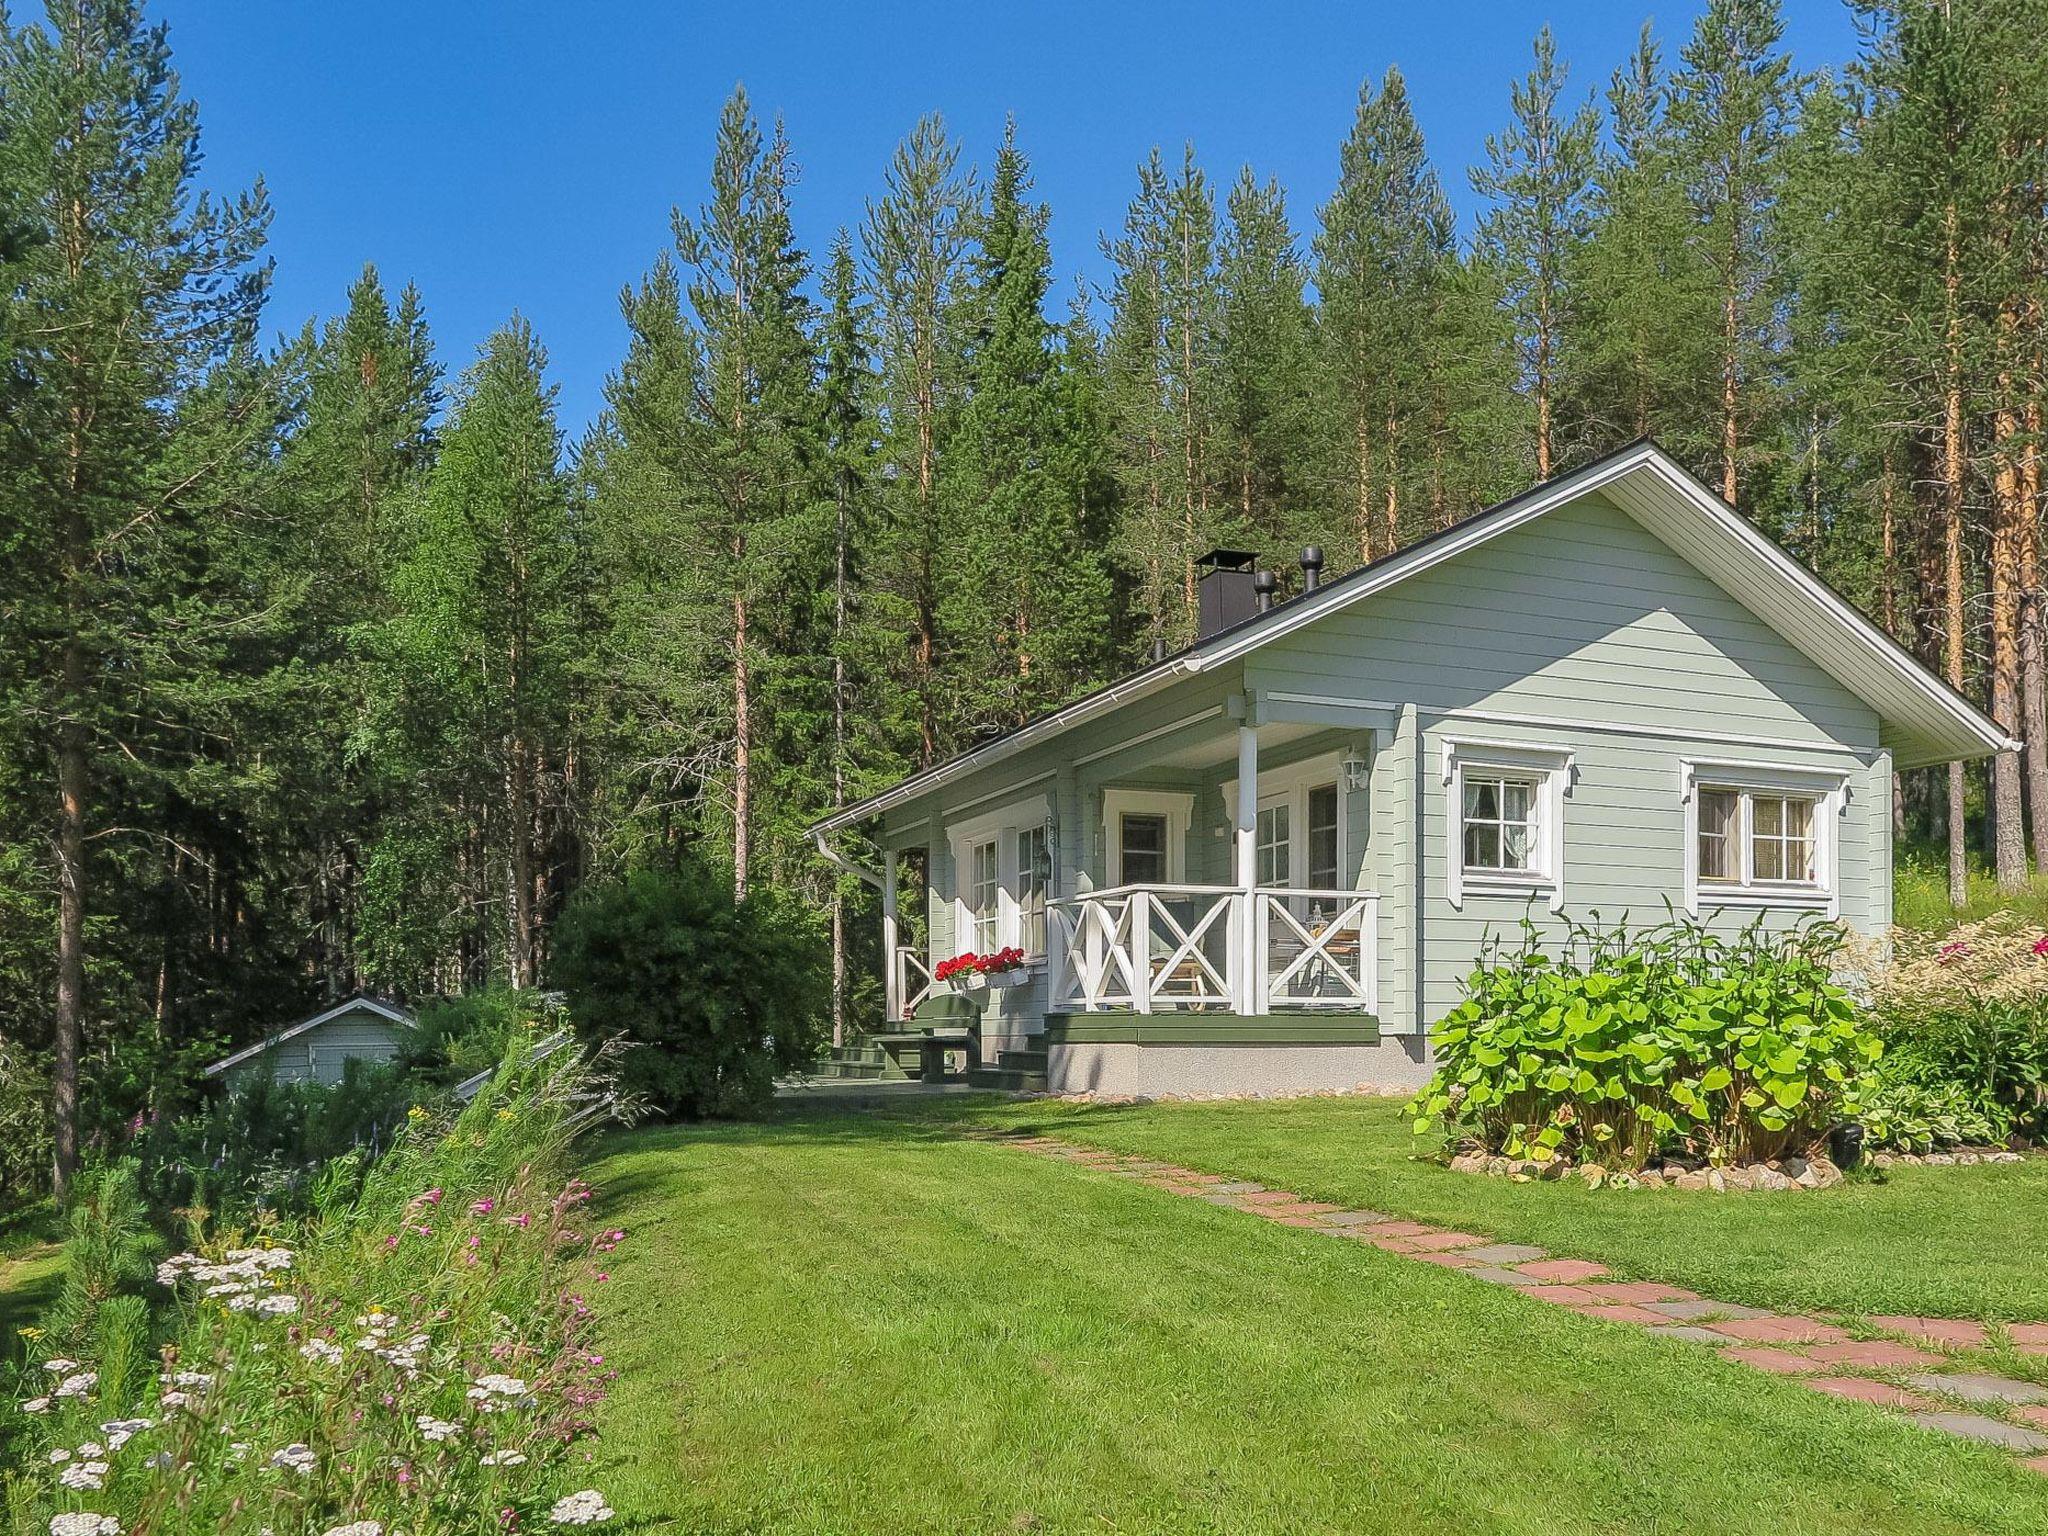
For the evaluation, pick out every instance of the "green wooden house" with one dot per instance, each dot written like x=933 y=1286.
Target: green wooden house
x=318 y=1049
x=1266 y=863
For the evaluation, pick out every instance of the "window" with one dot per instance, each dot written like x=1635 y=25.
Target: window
x=1505 y=801
x=1760 y=834
x=1322 y=870
x=1142 y=837
x=1002 y=880
x=1748 y=838
x=1501 y=822
x=985 y=896
x=1033 y=868
x=1273 y=845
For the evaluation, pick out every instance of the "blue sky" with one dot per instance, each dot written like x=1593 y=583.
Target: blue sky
x=512 y=155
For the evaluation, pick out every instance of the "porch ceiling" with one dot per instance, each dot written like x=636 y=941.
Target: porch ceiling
x=1200 y=750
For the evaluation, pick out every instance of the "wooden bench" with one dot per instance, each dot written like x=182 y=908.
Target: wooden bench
x=943 y=1022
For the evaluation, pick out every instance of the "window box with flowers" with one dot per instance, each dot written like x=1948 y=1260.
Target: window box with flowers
x=969 y=972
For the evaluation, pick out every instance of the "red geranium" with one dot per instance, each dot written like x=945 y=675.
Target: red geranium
x=968 y=963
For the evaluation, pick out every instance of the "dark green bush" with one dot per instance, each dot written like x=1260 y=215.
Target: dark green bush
x=713 y=999
x=457 y=1037
x=1631 y=1043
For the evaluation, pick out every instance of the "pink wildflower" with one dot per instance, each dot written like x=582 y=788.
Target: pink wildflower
x=391 y=1243
x=1953 y=950
x=424 y=1231
x=483 y=1207
x=2041 y=945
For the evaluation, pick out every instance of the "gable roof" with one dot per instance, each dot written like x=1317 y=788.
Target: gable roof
x=1929 y=722
x=360 y=1003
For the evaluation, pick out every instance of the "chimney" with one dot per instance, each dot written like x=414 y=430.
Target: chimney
x=1311 y=567
x=1226 y=595
x=1263 y=583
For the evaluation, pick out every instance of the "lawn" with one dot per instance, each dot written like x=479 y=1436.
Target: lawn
x=846 y=1324
x=1946 y=1242
x=29 y=1277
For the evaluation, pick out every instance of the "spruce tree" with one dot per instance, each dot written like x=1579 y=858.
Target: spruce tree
x=1383 y=256
x=1539 y=175
x=916 y=242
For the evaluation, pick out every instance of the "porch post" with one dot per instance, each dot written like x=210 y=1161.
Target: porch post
x=892 y=972
x=1247 y=871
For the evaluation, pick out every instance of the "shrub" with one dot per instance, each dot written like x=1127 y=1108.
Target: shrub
x=414 y=1356
x=1964 y=1015
x=457 y=1037
x=1629 y=1043
x=712 y=998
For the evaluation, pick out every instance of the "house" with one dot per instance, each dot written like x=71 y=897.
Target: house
x=1267 y=862
x=315 y=1050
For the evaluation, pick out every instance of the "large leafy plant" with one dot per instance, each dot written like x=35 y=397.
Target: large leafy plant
x=1627 y=1043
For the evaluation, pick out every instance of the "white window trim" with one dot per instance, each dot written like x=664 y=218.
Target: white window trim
x=1552 y=768
x=1830 y=787
x=1178 y=807
x=1000 y=827
x=1289 y=785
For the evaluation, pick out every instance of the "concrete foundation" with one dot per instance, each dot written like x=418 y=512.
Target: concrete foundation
x=1397 y=1064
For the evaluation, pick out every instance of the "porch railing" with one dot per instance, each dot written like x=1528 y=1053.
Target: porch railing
x=913 y=980
x=1162 y=948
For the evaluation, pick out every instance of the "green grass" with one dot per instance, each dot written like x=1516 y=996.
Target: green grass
x=29 y=1278
x=1949 y=1242
x=1920 y=895
x=866 y=1325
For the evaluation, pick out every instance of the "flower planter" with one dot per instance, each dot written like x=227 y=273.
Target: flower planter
x=1010 y=978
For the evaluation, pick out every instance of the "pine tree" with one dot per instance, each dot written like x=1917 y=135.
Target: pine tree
x=130 y=289
x=1539 y=174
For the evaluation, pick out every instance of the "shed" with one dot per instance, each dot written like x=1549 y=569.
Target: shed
x=361 y=1028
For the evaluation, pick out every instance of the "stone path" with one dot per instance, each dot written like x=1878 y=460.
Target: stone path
x=1917 y=1366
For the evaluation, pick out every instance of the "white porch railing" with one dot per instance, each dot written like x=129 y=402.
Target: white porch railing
x=1160 y=948
x=913 y=981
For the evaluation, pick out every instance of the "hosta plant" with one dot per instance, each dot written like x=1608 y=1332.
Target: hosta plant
x=1629 y=1043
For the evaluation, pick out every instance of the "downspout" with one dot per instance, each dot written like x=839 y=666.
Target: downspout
x=840 y=861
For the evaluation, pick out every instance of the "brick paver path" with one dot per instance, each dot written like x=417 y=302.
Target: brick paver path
x=1908 y=1365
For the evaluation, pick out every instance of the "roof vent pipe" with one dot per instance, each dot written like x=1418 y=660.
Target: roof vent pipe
x=1158 y=648
x=1311 y=567
x=1263 y=583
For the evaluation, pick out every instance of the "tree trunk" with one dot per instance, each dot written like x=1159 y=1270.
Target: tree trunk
x=520 y=816
x=1363 y=518
x=839 y=574
x=71 y=892
x=742 y=744
x=2033 y=641
x=1952 y=473
x=1888 y=600
x=2009 y=831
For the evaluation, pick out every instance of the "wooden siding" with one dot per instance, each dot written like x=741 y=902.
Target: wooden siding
x=1580 y=630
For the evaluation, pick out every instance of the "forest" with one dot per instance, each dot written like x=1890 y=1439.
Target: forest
x=330 y=662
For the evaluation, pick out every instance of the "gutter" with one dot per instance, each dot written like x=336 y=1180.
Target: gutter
x=839 y=860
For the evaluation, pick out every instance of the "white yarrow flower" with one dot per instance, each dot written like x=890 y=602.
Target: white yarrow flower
x=436 y=1430
x=84 y=1523
x=84 y=1475
x=323 y=1350
x=36 y=1405
x=505 y=1459
x=586 y=1507
x=296 y=1457
x=355 y=1528
x=120 y=1431
x=78 y=1385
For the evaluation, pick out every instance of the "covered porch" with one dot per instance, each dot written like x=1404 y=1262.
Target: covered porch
x=1213 y=860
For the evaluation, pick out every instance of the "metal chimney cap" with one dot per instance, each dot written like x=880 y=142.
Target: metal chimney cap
x=1229 y=559
x=1264 y=581
x=1312 y=557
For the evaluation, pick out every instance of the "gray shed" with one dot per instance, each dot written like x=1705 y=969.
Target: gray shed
x=316 y=1049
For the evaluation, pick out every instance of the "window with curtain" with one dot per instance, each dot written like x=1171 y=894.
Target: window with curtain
x=1756 y=838
x=1501 y=821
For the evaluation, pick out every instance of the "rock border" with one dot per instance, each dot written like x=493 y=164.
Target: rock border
x=1778 y=1174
